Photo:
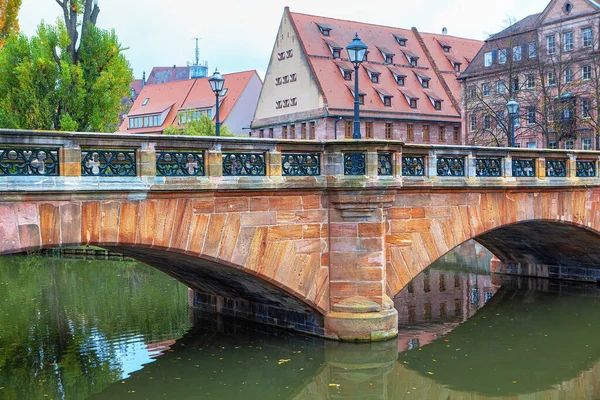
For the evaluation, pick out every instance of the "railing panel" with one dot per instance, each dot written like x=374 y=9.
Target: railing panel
x=244 y=164
x=179 y=163
x=385 y=164
x=586 y=169
x=488 y=167
x=29 y=161
x=451 y=166
x=103 y=162
x=301 y=164
x=355 y=164
x=556 y=168
x=413 y=166
x=523 y=168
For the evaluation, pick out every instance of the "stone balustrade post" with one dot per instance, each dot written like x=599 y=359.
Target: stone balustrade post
x=540 y=167
x=372 y=164
x=70 y=160
x=214 y=162
x=147 y=159
x=508 y=166
x=360 y=309
x=431 y=164
x=274 y=163
x=398 y=164
x=572 y=166
x=470 y=166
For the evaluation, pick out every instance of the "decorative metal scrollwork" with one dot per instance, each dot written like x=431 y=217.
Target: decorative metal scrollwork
x=108 y=163
x=522 y=168
x=385 y=164
x=413 y=166
x=301 y=164
x=244 y=164
x=488 y=167
x=586 y=169
x=451 y=166
x=25 y=162
x=354 y=164
x=179 y=163
x=556 y=168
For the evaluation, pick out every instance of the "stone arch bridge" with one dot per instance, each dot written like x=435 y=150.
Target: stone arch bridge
x=313 y=236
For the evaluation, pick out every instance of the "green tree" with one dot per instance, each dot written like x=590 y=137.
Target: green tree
x=199 y=127
x=46 y=82
x=9 y=23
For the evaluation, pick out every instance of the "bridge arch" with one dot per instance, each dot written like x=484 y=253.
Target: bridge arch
x=214 y=245
x=528 y=229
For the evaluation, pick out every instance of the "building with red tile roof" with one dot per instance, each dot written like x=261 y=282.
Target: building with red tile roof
x=407 y=86
x=175 y=103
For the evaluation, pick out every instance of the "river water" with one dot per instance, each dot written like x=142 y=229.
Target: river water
x=78 y=329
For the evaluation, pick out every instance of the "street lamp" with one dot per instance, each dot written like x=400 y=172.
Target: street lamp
x=356 y=53
x=216 y=83
x=513 y=109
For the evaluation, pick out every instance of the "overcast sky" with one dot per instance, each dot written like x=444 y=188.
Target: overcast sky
x=238 y=35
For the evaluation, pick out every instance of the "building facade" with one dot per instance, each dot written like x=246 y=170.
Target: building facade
x=407 y=86
x=549 y=64
x=176 y=103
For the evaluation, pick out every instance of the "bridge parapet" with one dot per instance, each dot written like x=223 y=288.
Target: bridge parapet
x=31 y=161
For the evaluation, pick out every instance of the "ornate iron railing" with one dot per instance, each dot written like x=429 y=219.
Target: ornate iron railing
x=293 y=164
x=586 y=169
x=556 y=168
x=490 y=167
x=451 y=166
x=385 y=164
x=244 y=164
x=522 y=168
x=179 y=163
x=413 y=166
x=24 y=162
x=102 y=162
x=354 y=164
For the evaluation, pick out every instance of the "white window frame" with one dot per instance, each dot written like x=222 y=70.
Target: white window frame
x=586 y=144
x=473 y=122
x=589 y=73
x=551 y=44
x=502 y=56
x=485 y=89
x=488 y=59
x=585 y=111
x=551 y=79
x=568 y=75
x=500 y=87
x=530 y=83
x=532 y=50
x=587 y=38
x=517 y=53
x=531 y=115
x=568 y=41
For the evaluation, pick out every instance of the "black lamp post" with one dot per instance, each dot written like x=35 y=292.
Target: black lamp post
x=513 y=109
x=216 y=83
x=356 y=53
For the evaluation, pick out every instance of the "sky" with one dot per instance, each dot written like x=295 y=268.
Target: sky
x=238 y=35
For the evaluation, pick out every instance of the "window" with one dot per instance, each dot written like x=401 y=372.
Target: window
x=284 y=132
x=485 y=89
x=446 y=49
x=487 y=122
x=336 y=53
x=586 y=106
x=261 y=133
x=400 y=80
x=324 y=30
x=387 y=101
x=374 y=78
x=569 y=144
x=388 y=130
x=456 y=134
x=568 y=41
x=348 y=75
x=586 y=144
x=531 y=145
x=425 y=83
x=361 y=99
x=414 y=61
x=532 y=50
x=471 y=92
x=500 y=119
x=293 y=78
x=442 y=134
x=552 y=145
x=502 y=56
x=586 y=72
x=401 y=42
x=551 y=44
x=348 y=129
x=586 y=36
x=426 y=133
x=409 y=133
x=515 y=85
x=551 y=77
x=517 y=53
x=271 y=133
x=456 y=67
x=437 y=105
x=369 y=130
x=530 y=82
x=550 y=114
x=303 y=131
x=500 y=87
x=146 y=100
x=313 y=132
x=389 y=59
x=473 y=122
x=531 y=115
x=413 y=103
x=487 y=59
x=568 y=75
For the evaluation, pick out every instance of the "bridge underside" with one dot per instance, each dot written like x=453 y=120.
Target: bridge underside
x=226 y=290
x=545 y=249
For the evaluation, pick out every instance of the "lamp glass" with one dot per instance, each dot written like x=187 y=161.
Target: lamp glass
x=512 y=107
x=216 y=82
x=356 y=50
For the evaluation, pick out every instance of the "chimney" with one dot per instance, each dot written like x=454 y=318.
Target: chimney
x=143 y=79
x=444 y=31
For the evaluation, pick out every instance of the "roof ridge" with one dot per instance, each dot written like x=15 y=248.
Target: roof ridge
x=348 y=20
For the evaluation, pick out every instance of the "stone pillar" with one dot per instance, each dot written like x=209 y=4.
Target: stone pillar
x=360 y=309
x=214 y=165
x=70 y=161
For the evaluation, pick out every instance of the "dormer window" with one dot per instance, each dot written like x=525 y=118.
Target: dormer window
x=456 y=64
x=413 y=103
x=324 y=29
x=223 y=92
x=446 y=49
x=423 y=79
x=401 y=40
x=387 y=101
x=347 y=75
x=336 y=53
x=373 y=73
x=388 y=56
x=445 y=46
x=399 y=76
x=146 y=100
x=361 y=99
x=411 y=58
x=375 y=78
x=411 y=99
x=345 y=69
x=386 y=98
x=437 y=105
x=335 y=48
x=400 y=80
x=436 y=102
x=361 y=95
